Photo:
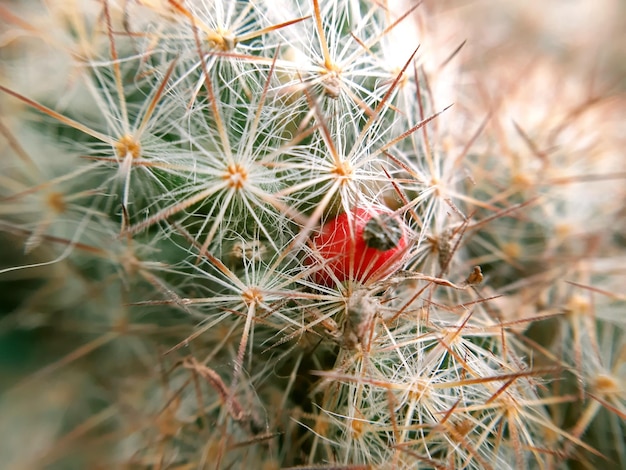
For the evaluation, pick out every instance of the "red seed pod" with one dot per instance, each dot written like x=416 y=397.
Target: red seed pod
x=364 y=243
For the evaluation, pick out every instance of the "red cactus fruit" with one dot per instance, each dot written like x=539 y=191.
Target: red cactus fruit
x=362 y=244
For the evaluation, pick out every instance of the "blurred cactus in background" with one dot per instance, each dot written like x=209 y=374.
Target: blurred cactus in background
x=312 y=234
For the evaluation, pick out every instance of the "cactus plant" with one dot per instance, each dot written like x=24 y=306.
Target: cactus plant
x=315 y=234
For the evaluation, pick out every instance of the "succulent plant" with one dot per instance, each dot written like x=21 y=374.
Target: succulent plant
x=316 y=234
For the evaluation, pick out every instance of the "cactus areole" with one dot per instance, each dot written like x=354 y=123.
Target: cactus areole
x=358 y=245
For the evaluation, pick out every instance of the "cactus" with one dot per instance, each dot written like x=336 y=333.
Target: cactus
x=188 y=279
